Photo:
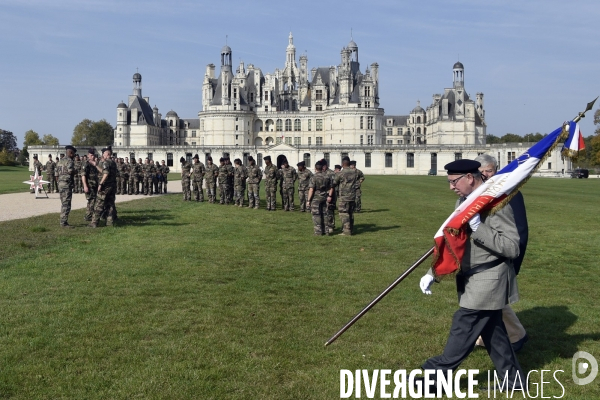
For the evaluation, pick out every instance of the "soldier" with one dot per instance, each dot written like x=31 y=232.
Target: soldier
x=346 y=180
x=125 y=171
x=50 y=168
x=147 y=177
x=240 y=175
x=164 y=173
x=212 y=171
x=157 y=178
x=223 y=182
x=336 y=169
x=134 y=179
x=304 y=175
x=77 y=177
x=107 y=187
x=320 y=193
x=65 y=169
x=361 y=179
x=230 y=171
x=186 y=167
x=198 y=172
x=330 y=205
x=152 y=178
x=89 y=178
x=271 y=175
x=254 y=178
x=37 y=166
x=119 y=175
x=288 y=179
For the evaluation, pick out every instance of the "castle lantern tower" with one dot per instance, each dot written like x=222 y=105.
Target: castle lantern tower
x=459 y=75
x=137 y=84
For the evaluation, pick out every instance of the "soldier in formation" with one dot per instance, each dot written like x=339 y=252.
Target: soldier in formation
x=230 y=172
x=198 y=172
x=78 y=186
x=320 y=194
x=50 y=168
x=107 y=188
x=254 y=178
x=148 y=172
x=89 y=179
x=271 y=176
x=164 y=173
x=346 y=181
x=304 y=175
x=240 y=175
x=134 y=178
x=224 y=174
x=361 y=179
x=186 y=168
x=288 y=177
x=330 y=215
x=212 y=172
x=65 y=169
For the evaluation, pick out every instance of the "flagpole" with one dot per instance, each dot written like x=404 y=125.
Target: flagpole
x=590 y=105
x=380 y=296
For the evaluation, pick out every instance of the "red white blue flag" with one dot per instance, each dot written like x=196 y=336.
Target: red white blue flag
x=574 y=142
x=493 y=194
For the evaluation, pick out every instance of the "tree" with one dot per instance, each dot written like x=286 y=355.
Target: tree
x=511 y=138
x=8 y=140
x=594 y=142
x=32 y=138
x=491 y=139
x=90 y=133
x=7 y=157
x=50 y=140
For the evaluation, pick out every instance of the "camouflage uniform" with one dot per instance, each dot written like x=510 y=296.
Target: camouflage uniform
x=239 y=184
x=346 y=180
x=78 y=187
x=230 y=171
x=198 y=172
x=147 y=171
x=331 y=206
x=288 y=179
x=119 y=176
x=125 y=170
x=361 y=179
x=303 y=181
x=65 y=169
x=91 y=176
x=254 y=178
x=134 y=178
x=224 y=184
x=211 y=178
x=157 y=178
x=105 y=200
x=271 y=186
x=321 y=183
x=164 y=172
x=37 y=166
x=50 y=168
x=186 y=167
x=153 y=178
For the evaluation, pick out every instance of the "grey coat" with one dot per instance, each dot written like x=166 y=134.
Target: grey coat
x=496 y=237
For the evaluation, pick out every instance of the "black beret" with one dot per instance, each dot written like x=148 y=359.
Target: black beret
x=237 y=161
x=337 y=166
x=463 y=166
x=196 y=157
x=91 y=150
x=69 y=147
x=221 y=159
x=250 y=158
x=301 y=164
x=107 y=148
x=352 y=162
x=324 y=162
x=182 y=159
x=35 y=157
x=346 y=158
x=318 y=164
x=209 y=158
x=267 y=158
x=50 y=155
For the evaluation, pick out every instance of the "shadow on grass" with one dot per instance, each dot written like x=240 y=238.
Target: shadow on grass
x=373 y=211
x=158 y=217
x=548 y=338
x=364 y=228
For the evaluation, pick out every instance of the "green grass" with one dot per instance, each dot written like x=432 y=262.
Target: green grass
x=201 y=301
x=12 y=178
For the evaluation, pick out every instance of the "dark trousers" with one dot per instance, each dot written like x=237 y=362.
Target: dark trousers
x=467 y=325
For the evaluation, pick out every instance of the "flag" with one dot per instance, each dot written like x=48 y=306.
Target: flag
x=493 y=194
x=574 y=142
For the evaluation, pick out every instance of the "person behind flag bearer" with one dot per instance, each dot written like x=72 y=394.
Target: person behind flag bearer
x=516 y=332
x=485 y=282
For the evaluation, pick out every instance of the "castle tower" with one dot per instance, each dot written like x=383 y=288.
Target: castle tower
x=479 y=105
x=137 y=84
x=290 y=52
x=459 y=75
x=226 y=74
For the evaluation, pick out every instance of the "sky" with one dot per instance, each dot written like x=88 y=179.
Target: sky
x=66 y=60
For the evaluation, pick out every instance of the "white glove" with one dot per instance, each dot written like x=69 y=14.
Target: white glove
x=474 y=222
x=425 y=284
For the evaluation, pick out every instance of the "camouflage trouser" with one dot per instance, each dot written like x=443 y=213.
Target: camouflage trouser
x=230 y=192
x=91 y=197
x=134 y=185
x=358 y=205
x=155 y=184
x=124 y=181
x=185 y=188
x=198 y=192
x=253 y=199
x=302 y=197
x=318 y=209
x=105 y=204
x=119 y=184
x=288 y=198
x=271 y=197
x=211 y=191
x=330 y=215
x=147 y=184
x=165 y=184
x=159 y=188
x=77 y=184
x=238 y=195
x=52 y=184
x=66 y=194
x=224 y=193
x=346 y=210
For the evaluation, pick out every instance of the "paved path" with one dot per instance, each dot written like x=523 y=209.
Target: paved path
x=25 y=205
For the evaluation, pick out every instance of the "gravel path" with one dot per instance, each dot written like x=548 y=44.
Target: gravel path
x=25 y=205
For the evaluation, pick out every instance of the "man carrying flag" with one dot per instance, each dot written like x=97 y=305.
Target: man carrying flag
x=485 y=280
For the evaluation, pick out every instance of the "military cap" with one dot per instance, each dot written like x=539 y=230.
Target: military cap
x=35 y=157
x=182 y=160
x=267 y=158
x=353 y=163
x=345 y=158
x=301 y=164
x=91 y=150
x=237 y=161
x=318 y=164
x=50 y=155
x=324 y=162
x=250 y=158
x=463 y=166
x=337 y=166
x=209 y=158
x=196 y=157
x=107 y=148
x=221 y=159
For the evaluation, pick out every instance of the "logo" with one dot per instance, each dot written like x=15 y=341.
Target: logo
x=582 y=367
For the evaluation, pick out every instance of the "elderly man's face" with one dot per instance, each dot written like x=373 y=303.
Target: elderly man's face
x=461 y=184
x=487 y=171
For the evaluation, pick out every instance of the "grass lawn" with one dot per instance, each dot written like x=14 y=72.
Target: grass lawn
x=12 y=178
x=201 y=301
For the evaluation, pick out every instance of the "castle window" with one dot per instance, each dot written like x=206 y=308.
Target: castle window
x=370 y=140
x=278 y=140
x=297 y=125
x=234 y=107
x=201 y=124
x=307 y=159
x=362 y=122
x=266 y=95
x=390 y=131
x=279 y=125
x=288 y=125
x=251 y=97
x=399 y=141
x=319 y=141
x=319 y=125
x=367 y=104
x=367 y=91
x=410 y=160
x=319 y=107
x=388 y=160
x=309 y=140
x=326 y=156
x=234 y=93
x=367 y=160
x=361 y=139
x=288 y=140
x=259 y=159
x=297 y=141
x=369 y=122
x=193 y=133
x=310 y=125
x=389 y=142
x=319 y=94
x=266 y=108
x=294 y=105
x=457 y=156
